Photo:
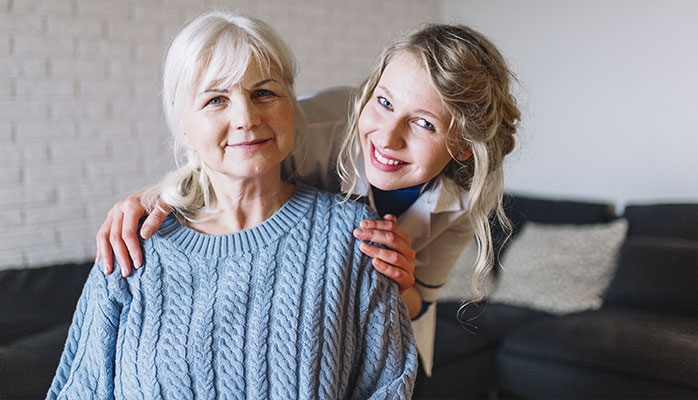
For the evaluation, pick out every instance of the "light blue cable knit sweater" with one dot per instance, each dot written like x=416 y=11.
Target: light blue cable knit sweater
x=288 y=310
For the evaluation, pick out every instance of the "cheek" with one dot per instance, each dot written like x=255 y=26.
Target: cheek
x=436 y=158
x=186 y=132
x=287 y=125
x=367 y=121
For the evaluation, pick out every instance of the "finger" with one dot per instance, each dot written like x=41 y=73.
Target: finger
x=388 y=224
x=389 y=239
x=390 y=217
x=155 y=219
x=388 y=256
x=129 y=233
x=104 y=251
x=118 y=245
x=403 y=279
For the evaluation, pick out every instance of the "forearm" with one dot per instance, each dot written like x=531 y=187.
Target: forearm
x=85 y=370
x=413 y=301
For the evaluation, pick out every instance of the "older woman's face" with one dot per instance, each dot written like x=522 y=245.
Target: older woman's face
x=245 y=131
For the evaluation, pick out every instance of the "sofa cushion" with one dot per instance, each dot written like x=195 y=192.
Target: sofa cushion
x=615 y=340
x=465 y=349
x=657 y=274
x=678 y=221
x=496 y=321
x=560 y=269
x=27 y=365
x=520 y=209
x=35 y=299
x=458 y=326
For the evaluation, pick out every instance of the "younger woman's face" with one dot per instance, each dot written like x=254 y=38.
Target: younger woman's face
x=403 y=127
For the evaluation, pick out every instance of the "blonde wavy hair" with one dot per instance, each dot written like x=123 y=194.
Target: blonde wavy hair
x=474 y=83
x=216 y=47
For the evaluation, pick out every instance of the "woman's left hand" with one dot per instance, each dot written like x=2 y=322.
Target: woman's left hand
x=396 y=261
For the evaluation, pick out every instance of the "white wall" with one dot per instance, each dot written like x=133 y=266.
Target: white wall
x=609 y=94
x=80 y=120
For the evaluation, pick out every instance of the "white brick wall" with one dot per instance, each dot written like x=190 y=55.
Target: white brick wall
x=80 y=119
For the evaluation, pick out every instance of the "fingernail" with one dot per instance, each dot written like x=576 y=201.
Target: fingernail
x=364 y=224
x=123 y=272
x=138 y=264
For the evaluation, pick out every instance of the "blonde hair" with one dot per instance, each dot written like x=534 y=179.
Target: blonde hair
x=216 y=47
x=474 y=83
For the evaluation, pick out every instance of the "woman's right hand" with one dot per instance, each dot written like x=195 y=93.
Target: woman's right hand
x=396 y=259
x=118 y=235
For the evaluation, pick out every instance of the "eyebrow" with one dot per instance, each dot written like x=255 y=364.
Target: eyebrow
x=256 y=85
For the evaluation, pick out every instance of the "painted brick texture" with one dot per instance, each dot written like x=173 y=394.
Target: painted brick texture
x=80 y=118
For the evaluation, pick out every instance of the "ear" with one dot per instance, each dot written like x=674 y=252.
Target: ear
x=464 y=154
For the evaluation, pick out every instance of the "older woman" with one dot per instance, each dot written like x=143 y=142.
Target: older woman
x=254 y=287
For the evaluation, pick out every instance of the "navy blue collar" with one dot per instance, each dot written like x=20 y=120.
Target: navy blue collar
x=396 y=201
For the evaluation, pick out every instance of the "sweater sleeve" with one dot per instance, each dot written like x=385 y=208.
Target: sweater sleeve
x=86 y=368
x=388 y=362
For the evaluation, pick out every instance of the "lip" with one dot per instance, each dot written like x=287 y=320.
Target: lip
x=249 y=145
x=384 y=162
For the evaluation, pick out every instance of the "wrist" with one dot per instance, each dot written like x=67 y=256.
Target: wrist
x=413 y=301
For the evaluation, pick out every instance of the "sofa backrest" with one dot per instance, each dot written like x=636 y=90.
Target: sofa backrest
x=658 y=263
x=677 y=221
x=35 y=299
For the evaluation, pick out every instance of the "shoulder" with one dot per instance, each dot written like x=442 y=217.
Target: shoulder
x=101 y=289
x=346 y=206
x=169 y=234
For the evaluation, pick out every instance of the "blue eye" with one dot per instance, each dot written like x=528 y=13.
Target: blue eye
x=385 y=103
x=426 y=124
x=262 y=93
x=215 y=101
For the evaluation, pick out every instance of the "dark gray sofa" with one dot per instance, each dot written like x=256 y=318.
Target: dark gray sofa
x=36 y=307
x=642 y=343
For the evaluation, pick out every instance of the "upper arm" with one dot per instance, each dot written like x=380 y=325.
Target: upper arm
x=86 y=368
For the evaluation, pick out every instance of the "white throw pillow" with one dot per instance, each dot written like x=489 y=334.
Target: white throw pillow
x=560 y=269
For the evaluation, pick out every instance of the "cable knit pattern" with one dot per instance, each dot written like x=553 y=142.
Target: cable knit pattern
x=287 y=310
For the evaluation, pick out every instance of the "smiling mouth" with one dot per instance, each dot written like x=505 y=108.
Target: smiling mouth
x=247 y=144
x=383 y=160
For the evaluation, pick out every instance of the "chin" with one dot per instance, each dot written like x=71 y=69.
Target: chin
x=386 y=184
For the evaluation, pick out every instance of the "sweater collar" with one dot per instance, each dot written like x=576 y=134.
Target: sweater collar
x=279 y=224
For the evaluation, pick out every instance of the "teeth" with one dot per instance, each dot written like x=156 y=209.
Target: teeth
x=384 y=160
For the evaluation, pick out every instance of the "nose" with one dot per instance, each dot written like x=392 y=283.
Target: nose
x=391 y=134
x=244 y=113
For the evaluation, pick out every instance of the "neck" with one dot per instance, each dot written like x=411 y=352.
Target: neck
x=243 y=204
